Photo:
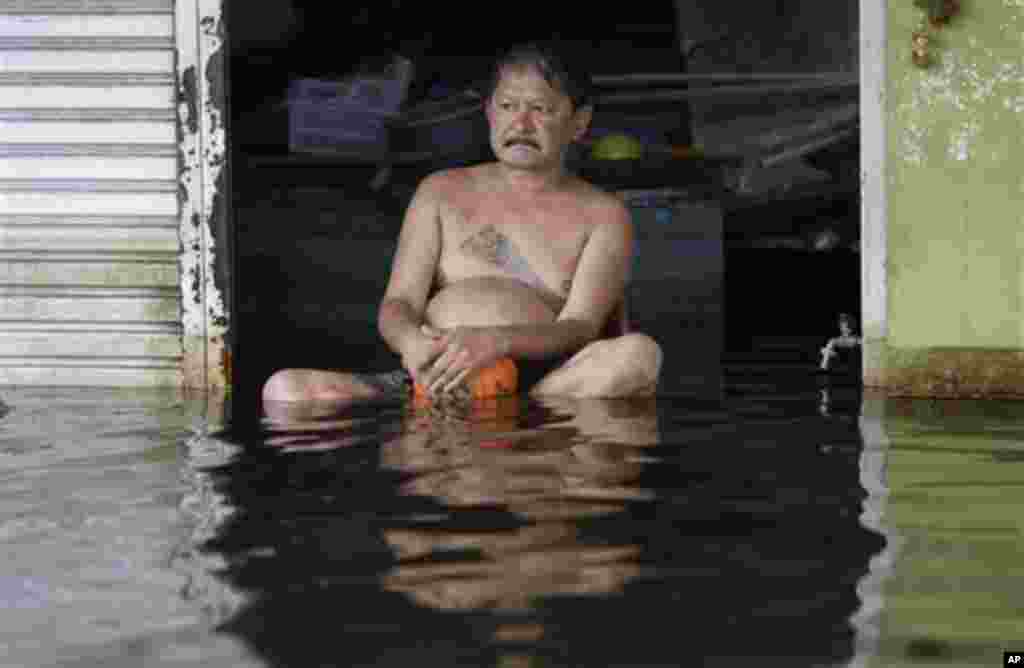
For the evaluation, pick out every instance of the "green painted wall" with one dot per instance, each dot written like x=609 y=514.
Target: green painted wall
x=955 y=173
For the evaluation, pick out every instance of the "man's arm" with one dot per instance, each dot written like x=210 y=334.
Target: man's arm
x=598 y=286
x=412 y=272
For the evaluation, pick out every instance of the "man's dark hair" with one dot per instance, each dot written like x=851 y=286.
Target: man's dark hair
x=559 y=67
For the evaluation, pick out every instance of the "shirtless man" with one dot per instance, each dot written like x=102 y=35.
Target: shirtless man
x=516 y=259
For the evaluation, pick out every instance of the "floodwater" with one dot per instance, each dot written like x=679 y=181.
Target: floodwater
x=782 y=517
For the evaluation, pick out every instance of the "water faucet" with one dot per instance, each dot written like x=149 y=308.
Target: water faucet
x=846 y=339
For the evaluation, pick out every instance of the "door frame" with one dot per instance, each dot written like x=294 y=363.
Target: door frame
x=206 y=260
x=209 y=275
x=874 y=198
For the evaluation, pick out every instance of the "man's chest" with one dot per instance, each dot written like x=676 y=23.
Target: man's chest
x=539 y=245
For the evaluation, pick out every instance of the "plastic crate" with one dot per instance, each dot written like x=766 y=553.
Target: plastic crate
x=347 y=115
x=320 y=126
x=369 y=94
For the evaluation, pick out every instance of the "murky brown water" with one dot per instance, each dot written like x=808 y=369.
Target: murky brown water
x=785 y=517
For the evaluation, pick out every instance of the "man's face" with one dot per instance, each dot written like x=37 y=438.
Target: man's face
x=532 y=124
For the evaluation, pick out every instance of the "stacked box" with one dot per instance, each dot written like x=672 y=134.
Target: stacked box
x=349 y=116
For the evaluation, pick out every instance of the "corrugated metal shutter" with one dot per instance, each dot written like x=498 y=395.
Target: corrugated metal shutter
x=89 y=205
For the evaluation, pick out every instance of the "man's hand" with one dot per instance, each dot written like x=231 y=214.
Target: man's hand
x=423 y=349
x=466 y=350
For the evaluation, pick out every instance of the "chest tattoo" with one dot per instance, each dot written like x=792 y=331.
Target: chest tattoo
x=493 y=247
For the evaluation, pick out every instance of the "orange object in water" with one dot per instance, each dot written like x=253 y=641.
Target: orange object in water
x=499 y=379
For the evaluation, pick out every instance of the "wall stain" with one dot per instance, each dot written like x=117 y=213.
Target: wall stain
x=197 y=286
x=215 y=72
x=951 y=373
x=220 y=235
x=962 y=139
x=960 y=89
x=188 y=95
x=220 y=296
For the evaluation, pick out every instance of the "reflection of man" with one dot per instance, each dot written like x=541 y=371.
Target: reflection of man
x=583 y=461
x=515 y=259
x=585 y=464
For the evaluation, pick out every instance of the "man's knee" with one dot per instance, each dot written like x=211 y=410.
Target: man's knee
x=285 y=385
x=627 y=365
x=640 y=357
x=640 y=350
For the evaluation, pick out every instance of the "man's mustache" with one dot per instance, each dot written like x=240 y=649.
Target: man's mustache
x=525 y=141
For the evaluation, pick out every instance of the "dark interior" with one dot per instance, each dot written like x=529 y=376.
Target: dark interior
x=314 y=234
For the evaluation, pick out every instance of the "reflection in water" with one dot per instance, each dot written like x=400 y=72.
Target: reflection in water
x=664 y=532
x=579 y=466
x=555 y=532
x=949 y=489
x=871 y=586
x=205 y=510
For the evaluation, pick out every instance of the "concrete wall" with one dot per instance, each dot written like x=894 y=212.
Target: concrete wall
x=955 y=185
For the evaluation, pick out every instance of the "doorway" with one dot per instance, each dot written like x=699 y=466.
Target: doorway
x=315 y=235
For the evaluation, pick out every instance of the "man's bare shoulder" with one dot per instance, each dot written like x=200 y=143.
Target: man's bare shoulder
x=602 y=206
x=445 y=184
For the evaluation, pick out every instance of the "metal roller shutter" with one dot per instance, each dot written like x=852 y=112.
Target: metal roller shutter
x=89 y=203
